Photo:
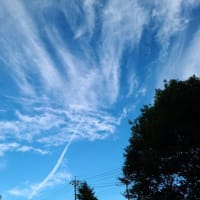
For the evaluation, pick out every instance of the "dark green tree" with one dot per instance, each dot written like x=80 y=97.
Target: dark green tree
x=162 y=158
x=85 y=192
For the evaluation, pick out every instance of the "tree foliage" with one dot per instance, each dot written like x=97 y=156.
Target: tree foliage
x=162 y=158
x=85 y=192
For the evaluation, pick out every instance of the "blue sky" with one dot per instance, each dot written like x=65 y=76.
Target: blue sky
x=72 y=73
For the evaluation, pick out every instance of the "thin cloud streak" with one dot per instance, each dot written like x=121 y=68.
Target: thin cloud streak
x=191 y=57
x=122 y=27
x=58 y=178
x=64 y=60
x=78 y=78
x=55 y=168
x=32 y=52
x=48 y=126
x=172 y=18
x=10 y=147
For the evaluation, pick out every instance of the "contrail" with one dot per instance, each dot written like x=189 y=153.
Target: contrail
x=57 y=165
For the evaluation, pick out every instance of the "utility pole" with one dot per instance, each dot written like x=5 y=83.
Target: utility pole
x=75 y=184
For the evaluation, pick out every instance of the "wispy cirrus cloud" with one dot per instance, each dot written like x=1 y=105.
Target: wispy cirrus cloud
x=77 y=77
x=50 y=127
x=81 y=16
x=27 y=188
x=10 y=147
x=31 y=54
x=191 y=60
x=122 y=26
x=133 y=83
x=172 y=23
x=48 y=179
x=172 y=18
x=169 y=15
x=64 y=63
x=68 y=78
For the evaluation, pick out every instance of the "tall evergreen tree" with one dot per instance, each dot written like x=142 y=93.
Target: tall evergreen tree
x=162 y=158
x=85 y=192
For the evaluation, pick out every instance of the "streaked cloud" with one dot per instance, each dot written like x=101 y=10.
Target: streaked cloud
x=122 y=26
x=191 y=60
x=172 y=18
x=25 y=191
x=52 y=127
x=85 y=81
x=10 y=147
x=133 y=84
x=65 y=63
x=45 y=182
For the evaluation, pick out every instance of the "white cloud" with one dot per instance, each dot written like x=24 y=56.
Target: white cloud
x=92 y=83
x=95 y=82
x=89 y=8
x=169 y=14
x=19 y=192
x=29 y=148
x=7 y=147
x=132 y=83
x=172 y=17
x=10 y=147
x=181 y=63
x=31 y=54
x=59 y=178
x=191 y=59
x=27 y=189
x=96 y=125
x=48 y=126
x=123 y=23
x=172 y=24
x=81 y=84
x=83 y=79
x=48 y=179
x=80 y=15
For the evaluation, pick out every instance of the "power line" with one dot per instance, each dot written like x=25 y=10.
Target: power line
x=104 y=174
x=101 y=180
